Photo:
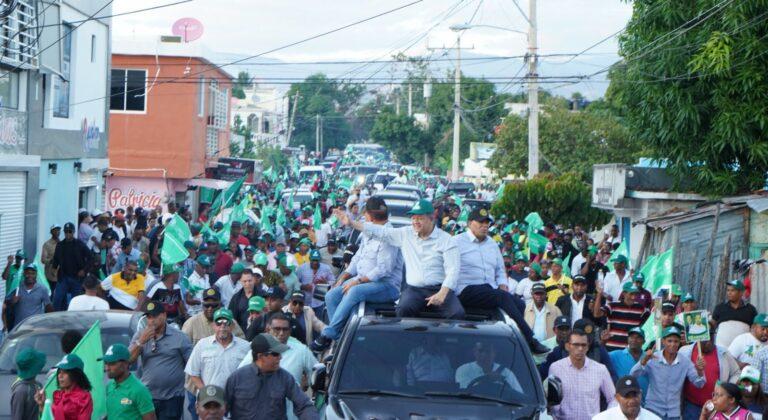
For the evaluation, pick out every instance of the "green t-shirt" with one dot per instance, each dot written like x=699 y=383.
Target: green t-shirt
x=128 y=400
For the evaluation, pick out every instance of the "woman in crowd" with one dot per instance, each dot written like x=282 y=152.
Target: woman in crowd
x=726 y=404
x=72 y=401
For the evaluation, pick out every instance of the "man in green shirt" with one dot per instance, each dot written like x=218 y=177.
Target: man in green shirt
x=127 y=397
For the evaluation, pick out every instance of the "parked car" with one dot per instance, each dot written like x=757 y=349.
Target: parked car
x=460 y=188
x=43 y=332
x=371 y=372
x=397 y=195
x=405 y=188
x=476 y=204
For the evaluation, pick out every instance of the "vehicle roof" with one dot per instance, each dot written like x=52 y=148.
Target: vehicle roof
x=402 y=187
x=393 y=203
x=76 y=320
x=379 y=323
x=312 y=168
x=396 y=194
x=460 y=184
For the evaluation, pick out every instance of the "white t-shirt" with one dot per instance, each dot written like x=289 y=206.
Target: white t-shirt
x=88 y=303
x=744 y=347
x=615 y=413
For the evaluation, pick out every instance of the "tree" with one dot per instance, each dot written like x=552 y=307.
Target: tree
x=565 y=199
x=568 y=141
x=248 y=146
x=401 y=135
x=692 y=88
x=242 y=82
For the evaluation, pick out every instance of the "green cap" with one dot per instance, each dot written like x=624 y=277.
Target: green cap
x=761 y=319
x=620 y=259
x=676 y=289
x=637 y=330
x=629 y=287
x=115 y=353
x=751 y=374
x=237 y=268
x=260 y=259
x=204 y=260
x=189 y=245
x=21 y=254
x=305 y=241
x=29 y=363
x=421 y=207
x=688 y=298
x=592 y=250
x=558 y=261
x=250 y=248
x=638 y=277
x=170 y=269
x=256 y=303
x=536 y=267
x=314 y=255
x=210 y=393
x=223 y=313
x=736 y=284
x=70 y=361
x=671 y=331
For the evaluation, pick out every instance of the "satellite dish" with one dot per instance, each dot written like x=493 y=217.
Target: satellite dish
x=189 y=29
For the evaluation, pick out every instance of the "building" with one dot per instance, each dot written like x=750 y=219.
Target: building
x=169 y=118
x=53 y=117
x=265 y=112
x=476 y=165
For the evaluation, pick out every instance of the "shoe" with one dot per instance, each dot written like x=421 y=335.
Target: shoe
x=537 y=348
x=320 y=343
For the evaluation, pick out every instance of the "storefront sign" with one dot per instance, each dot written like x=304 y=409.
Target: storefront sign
x=137 y=192
x=13 y=131
x=91 y=136
x=232 y=169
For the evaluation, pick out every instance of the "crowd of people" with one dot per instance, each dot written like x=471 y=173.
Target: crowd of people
x=235 y=327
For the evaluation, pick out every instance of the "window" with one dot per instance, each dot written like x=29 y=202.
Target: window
x=211 y=142
x=9 y=90
x=201 y=98
x=61 y=84
x=127 y=91
x=93 y=48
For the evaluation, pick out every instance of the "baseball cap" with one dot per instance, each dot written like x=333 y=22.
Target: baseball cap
x=187 y=244
x=421 y=207
x=115 y=353
x=21 y=254
x=667 y=306
x=265 y=343
x=30 y=266
x=260 y=259
x=69 y=227
x=585 y=325
x=275 y=293
x=736 y=284
x=204 y=260
x=306 y=242
x=297 y=296
x=153 y=308
x=671 y=331
x=126 y=242
x=688 y=298
x=538 y=288
x=558 y=261
x=761 y=319
x=223 y=313
x=592 y=250
x=629 y=287
x=250 y=248
x=479 y=215
x=750 y=373
x=256 y=271
x=256 y=303
x=170 y=269
x=536 y=267
x=210 y=393
x=295 y=235
x=55 y=226
x=70 y=361
x=29 y=363
x=637 y=330
x=211 y=293
x=620 y=259
x=237 y=268
x=314 y=255
x=627 y=384
x=579 y=279
x=562 y=321
x=638 y=277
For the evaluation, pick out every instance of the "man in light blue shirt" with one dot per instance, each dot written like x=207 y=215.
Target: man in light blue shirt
x=483 y=278
x=374 y=275
x=312 y=273
x=666 y=372
x=623 y=360
x=431 y=262
x=128 y=253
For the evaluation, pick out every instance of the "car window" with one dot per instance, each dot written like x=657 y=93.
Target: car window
x=426 y=363
x=50 y=343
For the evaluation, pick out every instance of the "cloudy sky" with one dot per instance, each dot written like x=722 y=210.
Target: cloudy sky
x=251 y=27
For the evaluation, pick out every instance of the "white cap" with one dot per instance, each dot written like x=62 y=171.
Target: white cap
x=256 y=270
x=96 y=213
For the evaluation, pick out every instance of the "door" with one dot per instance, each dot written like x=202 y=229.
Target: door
x=13 y=186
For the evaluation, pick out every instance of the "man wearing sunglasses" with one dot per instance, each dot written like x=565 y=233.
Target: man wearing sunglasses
x=214 y=358
x=259 y=390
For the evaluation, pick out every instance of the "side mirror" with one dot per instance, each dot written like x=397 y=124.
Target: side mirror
x=553 y=390
x=318 y=379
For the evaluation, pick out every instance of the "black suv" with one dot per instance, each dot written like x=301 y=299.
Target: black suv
x=384 y=367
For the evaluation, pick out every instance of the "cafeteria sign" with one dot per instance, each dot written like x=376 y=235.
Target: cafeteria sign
x=696 y=326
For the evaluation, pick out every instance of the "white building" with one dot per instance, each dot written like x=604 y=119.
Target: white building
x=265 y=111
x=476 y=165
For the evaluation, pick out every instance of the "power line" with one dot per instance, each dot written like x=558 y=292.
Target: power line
x=161 y=6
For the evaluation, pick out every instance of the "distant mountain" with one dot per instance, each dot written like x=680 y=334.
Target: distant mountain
x=473 y=65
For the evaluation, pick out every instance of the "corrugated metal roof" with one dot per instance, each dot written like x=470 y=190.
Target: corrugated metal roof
x=676 y=216
x=758 y=204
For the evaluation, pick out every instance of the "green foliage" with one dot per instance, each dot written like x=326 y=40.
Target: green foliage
x=565 y=199
x=332 y=99
x=242 y=82
x=695 y=96
x=248 y=145
x=271 y=157
x=234 y=149
x=401 y=135
x=568 y=141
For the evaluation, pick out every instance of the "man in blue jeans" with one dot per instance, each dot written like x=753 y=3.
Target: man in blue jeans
x=373 y=275
x=72 y=259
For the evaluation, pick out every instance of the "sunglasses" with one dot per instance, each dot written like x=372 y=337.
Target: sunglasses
x=272 y=353
x=223 y=322
x=211 y=305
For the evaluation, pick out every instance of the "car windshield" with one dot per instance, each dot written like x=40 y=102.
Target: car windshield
x=399 y=211
x=438 y=365
x=49 y=342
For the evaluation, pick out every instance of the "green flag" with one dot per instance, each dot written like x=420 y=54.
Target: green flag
x=223 y=236
x=648 y=266
x=279 y=190
x=266 y=224
x=290 y=201
x=317 y=218
x=280 y=218
x=649 y=330
x=464 y=216
x=18 y=276
x=226 y=197
x=457 y=199
x=567 y=265
x=346 y=184
x=621 y=250
x=534 y=222
x=47 y=414
x=89 y=350
x=500 y=191
x=537 y=243
x=14 y=282
x=176 y=233
x=660 y=274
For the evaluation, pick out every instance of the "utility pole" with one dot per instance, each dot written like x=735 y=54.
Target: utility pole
x=410 y=100
x=533 y=94
x=322 y=131
x=456 y=113
x=317 y=133
x=397 y=103
x=293 y=116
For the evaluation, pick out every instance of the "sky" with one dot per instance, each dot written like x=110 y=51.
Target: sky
x=250 y=27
